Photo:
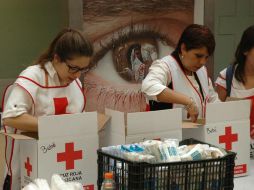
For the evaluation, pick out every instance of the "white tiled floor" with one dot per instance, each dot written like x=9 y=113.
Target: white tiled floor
x=247 y=182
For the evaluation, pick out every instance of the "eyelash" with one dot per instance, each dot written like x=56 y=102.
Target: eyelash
x=123 y=37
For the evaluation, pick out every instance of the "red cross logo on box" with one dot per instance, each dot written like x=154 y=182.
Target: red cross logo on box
x=28 y=166
x=69 y=156
x=228 y=138
x=88 y=187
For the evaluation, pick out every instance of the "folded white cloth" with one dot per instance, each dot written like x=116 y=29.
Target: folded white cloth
x=42 y=184
x=31 y=186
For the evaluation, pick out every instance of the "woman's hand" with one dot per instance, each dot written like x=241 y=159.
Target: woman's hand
x=192 y=110
x=170 y=96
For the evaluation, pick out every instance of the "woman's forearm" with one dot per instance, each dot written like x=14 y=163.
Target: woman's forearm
x=24 y=122
x=170 y=96
x=222 y=93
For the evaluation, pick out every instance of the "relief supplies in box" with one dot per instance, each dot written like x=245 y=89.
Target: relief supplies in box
x=227 y=125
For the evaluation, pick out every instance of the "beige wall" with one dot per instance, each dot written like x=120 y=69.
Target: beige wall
x=27 y=28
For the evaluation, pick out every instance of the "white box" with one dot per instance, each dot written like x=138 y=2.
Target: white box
x=125 y=128
x=66 y=145
x=227 y=125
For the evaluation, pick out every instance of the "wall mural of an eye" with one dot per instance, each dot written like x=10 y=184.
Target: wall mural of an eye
x=127 y=37
x=133 y=60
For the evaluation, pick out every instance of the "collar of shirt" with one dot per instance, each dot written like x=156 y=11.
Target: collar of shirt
x=50 y=69
x=53 y=76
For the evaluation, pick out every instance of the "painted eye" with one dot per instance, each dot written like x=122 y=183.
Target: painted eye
x=132 y=60
x=116 y=29
x=128 y=55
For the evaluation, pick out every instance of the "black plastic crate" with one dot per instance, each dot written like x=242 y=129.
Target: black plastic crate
x=209 y=174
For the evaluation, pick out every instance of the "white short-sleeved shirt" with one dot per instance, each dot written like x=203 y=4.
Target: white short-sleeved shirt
x=37 y=93
x=160 y=77
x=20 y=100
x=237 y=88
x=168 y=71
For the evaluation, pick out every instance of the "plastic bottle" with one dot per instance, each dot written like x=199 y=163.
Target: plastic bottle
x=108 y=182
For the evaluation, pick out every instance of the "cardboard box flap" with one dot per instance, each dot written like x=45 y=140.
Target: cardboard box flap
x=227 y=111
x=154 y=121
x=67 y=125
x=102 y=121
x=233 y=99
x=189 y=124
x=17 y=136
x=117 y=122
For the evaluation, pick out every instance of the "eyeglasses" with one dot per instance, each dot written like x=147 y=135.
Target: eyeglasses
x=75 y=69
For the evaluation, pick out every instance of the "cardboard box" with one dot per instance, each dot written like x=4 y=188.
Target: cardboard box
x=125 y=128
x=66 y=145
x=227 y=125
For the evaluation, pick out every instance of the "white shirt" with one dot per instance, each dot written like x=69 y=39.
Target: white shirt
x=33 y=95
x=159 y=77
x=19 y=100
x=238 y=90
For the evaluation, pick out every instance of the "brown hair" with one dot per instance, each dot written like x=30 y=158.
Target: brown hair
x=197 y=36
x=68 y=44
x=245 y=45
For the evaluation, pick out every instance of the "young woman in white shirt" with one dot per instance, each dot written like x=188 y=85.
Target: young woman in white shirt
x=242 y=76
x=50 y=87
x=180 y=79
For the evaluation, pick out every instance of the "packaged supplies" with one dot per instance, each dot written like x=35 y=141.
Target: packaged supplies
x=182 y=150
x=208 y=173
x=197 y=153
x=216 y=152
x=169 y=152
x=155 y=151
x=152 y=147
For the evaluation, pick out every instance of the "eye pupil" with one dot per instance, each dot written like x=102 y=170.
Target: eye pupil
x=133 y=59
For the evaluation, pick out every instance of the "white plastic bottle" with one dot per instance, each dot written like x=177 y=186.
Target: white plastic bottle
x=108 y=182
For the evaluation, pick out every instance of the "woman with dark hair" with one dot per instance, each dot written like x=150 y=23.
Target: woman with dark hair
x=50 y=87
x=181 y=79
x=237 y=80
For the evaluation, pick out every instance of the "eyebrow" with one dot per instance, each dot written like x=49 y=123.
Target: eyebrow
x=93 y=9
x=201 y=55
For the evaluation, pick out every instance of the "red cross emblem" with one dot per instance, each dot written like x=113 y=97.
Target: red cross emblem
x=88 y=187
x=69 y=156
x=60 y=105
x=228 y=138
x=28 y=167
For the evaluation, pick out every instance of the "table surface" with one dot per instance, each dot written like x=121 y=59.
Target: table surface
x=247 y=182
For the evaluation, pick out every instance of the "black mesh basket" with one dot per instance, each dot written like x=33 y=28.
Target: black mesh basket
x=209 y=174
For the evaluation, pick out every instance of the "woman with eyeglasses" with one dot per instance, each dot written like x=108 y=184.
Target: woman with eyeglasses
x=50 y=87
